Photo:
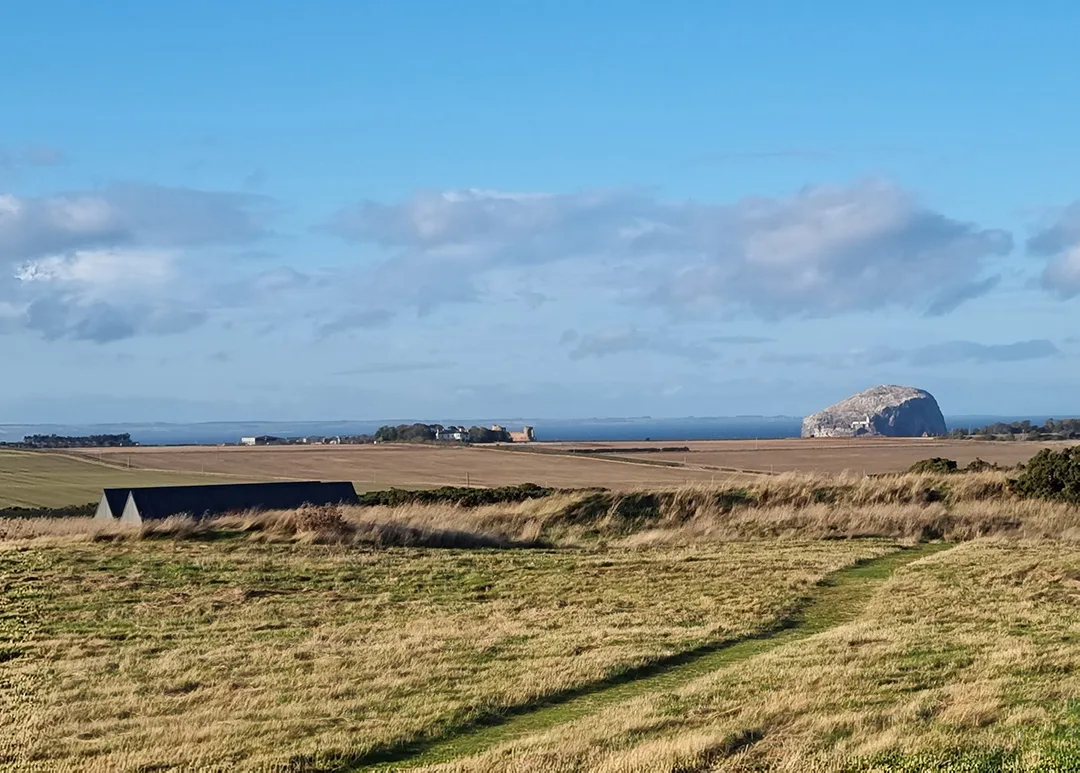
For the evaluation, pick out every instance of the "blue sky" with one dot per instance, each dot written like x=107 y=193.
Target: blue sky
x=286 y=210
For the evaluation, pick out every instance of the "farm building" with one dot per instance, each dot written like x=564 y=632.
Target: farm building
x=261 y=440
x=158 y=502
x=112 y=504
x=527 y=435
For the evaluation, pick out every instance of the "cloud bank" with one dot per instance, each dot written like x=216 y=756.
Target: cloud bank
x=110 y=264
x=1059 y=243
x=821 y=251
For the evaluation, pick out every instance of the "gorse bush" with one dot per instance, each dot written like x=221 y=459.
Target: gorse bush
x=981 y=465
x=456 y=495
x=1051 y=475
x=935 y=466
x=68 y=511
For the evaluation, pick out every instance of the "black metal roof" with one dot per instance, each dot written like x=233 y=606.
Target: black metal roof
x=155 y=502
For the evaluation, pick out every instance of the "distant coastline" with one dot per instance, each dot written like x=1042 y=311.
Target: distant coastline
x=588 y=430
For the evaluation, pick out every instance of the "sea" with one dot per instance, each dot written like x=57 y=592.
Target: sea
x=587 y=430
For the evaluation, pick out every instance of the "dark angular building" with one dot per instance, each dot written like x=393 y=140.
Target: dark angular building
x=135 y=505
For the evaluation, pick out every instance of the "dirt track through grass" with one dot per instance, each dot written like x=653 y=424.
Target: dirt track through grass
x=836 y=601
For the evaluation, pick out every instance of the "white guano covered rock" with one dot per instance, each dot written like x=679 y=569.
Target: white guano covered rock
x=888 y=411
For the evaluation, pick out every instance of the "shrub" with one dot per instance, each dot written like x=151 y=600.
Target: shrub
x=456 y=495
x=981 y=465
x=937 y=466
x=68 y=511
x=1051 y=475
x=321 y=519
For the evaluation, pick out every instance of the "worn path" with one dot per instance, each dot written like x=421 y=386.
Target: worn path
x=837 y=600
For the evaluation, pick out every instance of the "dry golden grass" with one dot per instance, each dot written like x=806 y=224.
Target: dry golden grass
x=903 y=507
x=965 y=661
x=257 y=640
x=189 y=650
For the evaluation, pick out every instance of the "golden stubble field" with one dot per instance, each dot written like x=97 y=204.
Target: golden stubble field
x=50 y=479
x=383 y=466
x=549 y=464
x=830 y=456
x=43 y=479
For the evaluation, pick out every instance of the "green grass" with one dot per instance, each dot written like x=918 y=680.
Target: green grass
x=41 y=479
x=233 y=654
x=835 y=600
x=963 y=661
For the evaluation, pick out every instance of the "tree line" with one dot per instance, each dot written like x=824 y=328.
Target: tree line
x=428 y=433
x=74 y=441
x=1051 y=429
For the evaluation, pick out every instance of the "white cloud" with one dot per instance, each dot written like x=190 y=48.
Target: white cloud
x=1062 y=273
x=134 y=215
x=117 y=262
x=105 y=270
x=823 y=250
x=1059 y=243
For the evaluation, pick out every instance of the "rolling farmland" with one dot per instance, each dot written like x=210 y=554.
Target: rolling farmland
x=385 y=466
x=34 y=479
x=42 y=479
x=825 y=456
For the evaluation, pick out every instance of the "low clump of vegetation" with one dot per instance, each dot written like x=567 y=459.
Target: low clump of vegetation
x=936 y=465
x=228 y=653
x=1053 y=475
x=455 y=495
x=939 y=465
x=69 y=511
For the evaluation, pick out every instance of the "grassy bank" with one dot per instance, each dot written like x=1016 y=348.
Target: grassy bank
x=329 y=638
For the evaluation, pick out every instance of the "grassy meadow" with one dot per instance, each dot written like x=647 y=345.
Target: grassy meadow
x=232 y=652
x=964 y=661
x=794 y=623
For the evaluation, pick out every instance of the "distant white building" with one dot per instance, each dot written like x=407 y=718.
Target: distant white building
x=260 y=440
x=458 y=434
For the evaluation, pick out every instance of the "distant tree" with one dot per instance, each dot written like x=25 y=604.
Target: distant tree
x=488 y=435
x=386 y=434
x=406 y=433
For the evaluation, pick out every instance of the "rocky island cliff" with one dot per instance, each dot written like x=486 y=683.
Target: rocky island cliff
x=887 y=411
